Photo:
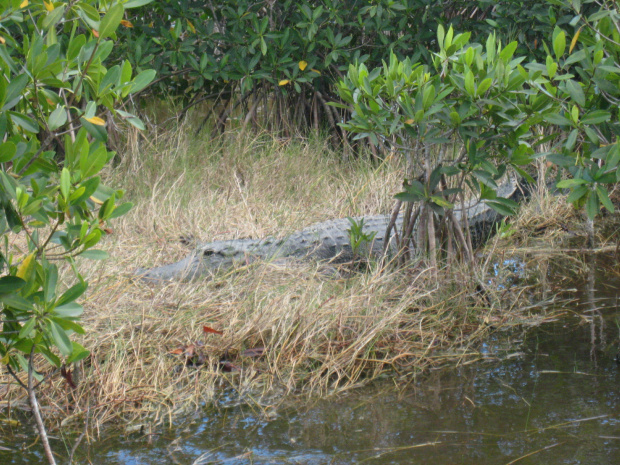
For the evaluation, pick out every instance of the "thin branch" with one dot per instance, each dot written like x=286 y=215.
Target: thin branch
x=37 y=413
x=14 y=375
x=391 y=225
x=79 y=439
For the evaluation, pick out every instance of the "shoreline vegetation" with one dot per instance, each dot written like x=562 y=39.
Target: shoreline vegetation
x=266 y=331
x=137 y=130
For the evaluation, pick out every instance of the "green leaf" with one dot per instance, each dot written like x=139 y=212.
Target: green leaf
x=111 y=21
x=104 y=50
x=111 y=79
x=89 y=186
x=78 y=353
x=14 y=91
x=449 y=35
x=508 y=51
x=407 y=197
x=136 y=123
x=604 y=198
x=91 y=164
x=592 y=205
x=90 y=111
x=57 y=118
x=60 y=338
x=27 y=328
x=16 y=302
x=596 y=117
x=485 y=178
x=65 y=183
x=11 y=284
x=51 y=280
x=142 y=80
x=4 y=55
x=70 y=310
x=552 y=67
x=577 y=194
x=136 y=3
x=89 y=14
x=441 y=202
x=95 y=254
x=121 y=210
x=592 y=135
x=25 y=122
x=92 y=238
x=490 y=47
x=455 y=118
x=428 y=97
x=441 y=33
x=126 y=72
x=569 y=183
x=575 y=57
x=469 y=83
x=613 y=156
x=71 y=294
x=576 y=92
x=559 y=44
x=50 y=356
x=98 y=132
x=75 y=45
x=7 y=151
x=106 y=209
x=571 y=140
x=69 y=325
x=574 y=112
x=484 y=86
x=501 y=207
x=53 y=17
x=557 y=119
x=525 y=175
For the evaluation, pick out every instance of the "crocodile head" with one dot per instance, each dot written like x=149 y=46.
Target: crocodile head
x=209 y=258
x=221 y=255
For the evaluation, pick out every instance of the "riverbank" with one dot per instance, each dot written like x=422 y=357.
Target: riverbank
x=160 y=351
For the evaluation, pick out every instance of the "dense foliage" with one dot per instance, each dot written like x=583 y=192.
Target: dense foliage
x=55 y=93
x=277 y=62
x=478 y=109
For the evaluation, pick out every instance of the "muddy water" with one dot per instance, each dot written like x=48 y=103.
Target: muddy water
x=547 y=396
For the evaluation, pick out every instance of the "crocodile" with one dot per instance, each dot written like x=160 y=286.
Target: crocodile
x=326 y=241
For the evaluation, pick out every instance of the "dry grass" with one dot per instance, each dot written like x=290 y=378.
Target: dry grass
x=548 y=224
x=320 y=333
x=547 y=219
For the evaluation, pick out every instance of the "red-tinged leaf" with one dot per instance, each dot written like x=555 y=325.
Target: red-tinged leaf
x=104 y=228
x=208 y=330
x=228 y=367
x=255 y=352
x=192 y=353
x=66 y=374
x=189 y=351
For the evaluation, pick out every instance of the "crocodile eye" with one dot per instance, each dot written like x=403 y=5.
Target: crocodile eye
x=207 y=253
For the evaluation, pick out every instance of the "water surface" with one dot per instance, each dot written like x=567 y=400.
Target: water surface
x=544 y=396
